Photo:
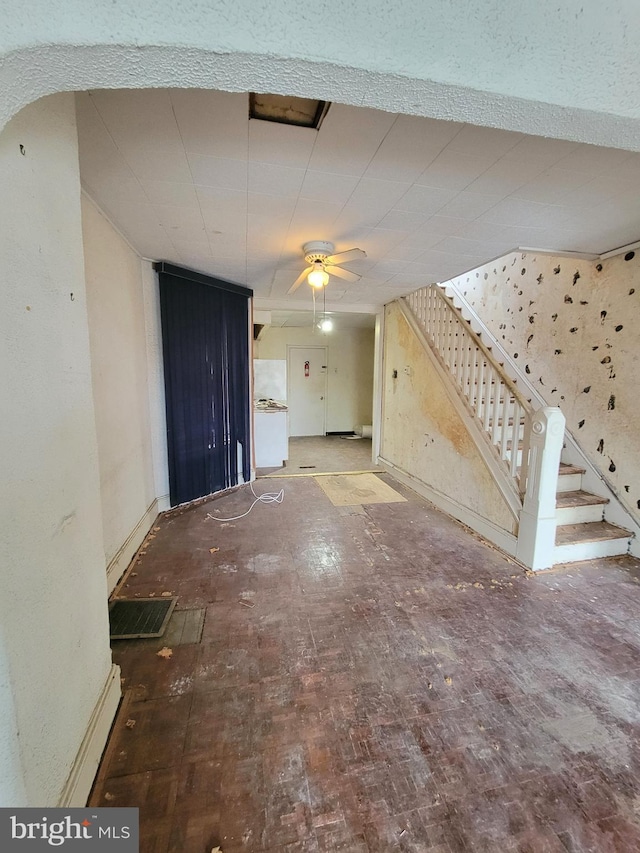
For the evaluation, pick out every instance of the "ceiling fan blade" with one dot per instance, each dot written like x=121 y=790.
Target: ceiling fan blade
x=341 y=272
x=345 y=257
x=296 y=284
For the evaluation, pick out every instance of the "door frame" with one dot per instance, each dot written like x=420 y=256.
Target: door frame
x=326 y=381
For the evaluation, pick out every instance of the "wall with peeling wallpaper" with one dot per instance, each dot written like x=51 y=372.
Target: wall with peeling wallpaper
x=422 y=433
x=574 y=328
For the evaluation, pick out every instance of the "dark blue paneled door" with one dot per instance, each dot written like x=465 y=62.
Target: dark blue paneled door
x=205 y=343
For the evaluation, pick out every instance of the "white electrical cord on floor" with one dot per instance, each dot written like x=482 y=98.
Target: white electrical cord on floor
x=265 y=498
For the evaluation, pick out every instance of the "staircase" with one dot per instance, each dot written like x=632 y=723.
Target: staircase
x=581 y=532
x=558 y=521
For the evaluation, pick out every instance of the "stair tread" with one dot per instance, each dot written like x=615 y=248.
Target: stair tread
x=565 y=468
x=591 y=531
x=579 y=498
x=509 y=422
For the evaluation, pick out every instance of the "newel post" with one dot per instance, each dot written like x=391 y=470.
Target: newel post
x=537 y=533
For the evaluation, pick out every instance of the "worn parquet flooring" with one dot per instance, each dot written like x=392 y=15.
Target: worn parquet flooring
x=375 y=679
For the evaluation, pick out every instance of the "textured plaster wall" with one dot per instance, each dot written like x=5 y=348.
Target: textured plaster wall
x=350 y=369
x=53 y=611
x=574 y=328
x=569 y=70
x=423 y=434
x=115 y=307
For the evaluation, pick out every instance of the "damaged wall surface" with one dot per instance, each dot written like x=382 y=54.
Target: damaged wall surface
x=423 y=434
x=573 y=328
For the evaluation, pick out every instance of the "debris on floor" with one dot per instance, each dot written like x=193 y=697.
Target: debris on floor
x=329 y=718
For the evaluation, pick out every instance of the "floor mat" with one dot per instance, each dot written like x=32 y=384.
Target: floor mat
x=144 y=617
x=352 y=489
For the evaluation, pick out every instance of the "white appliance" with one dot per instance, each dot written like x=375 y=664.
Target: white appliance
x=271 y=427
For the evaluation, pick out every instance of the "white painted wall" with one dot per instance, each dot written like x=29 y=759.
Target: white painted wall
x=155 y=377
x=117 y=336
x=424 y=436
x=558 y=69
x=53 y=613
x=572 y=329
x=350 y=354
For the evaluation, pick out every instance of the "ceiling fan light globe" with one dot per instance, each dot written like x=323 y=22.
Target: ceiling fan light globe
x=318 y=278
x=326 y=325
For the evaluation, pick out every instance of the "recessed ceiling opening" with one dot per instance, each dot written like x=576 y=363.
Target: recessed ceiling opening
x=285 y=109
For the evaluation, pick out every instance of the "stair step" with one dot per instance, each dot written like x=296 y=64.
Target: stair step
x=569 y=478
x=595 y=531
x=509 y=422
x=579 y=498
x=565 y=468
x=579 y=507
x=575 y=542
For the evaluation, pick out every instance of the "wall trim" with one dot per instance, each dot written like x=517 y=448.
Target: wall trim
x=506 y=541
x=125 y=553
x=164 y=503
x=378 y=387
x=85 y=766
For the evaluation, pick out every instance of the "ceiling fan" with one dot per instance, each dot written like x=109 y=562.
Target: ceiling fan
x=323 y=263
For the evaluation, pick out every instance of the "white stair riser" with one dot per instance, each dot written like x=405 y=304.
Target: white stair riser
x=579 y=514
x=575 y=552
x=569 y=482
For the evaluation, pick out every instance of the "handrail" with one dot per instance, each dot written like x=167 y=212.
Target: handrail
x=469 y=313
x=524 y=441
x=490 y=395
x=499 y=366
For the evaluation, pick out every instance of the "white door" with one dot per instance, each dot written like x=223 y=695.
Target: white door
x=307 y=375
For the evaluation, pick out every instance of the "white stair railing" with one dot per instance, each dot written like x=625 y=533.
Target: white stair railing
x=492 y=397
x=527 y=450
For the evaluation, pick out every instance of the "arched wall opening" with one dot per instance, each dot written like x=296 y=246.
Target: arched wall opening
x=53 y=611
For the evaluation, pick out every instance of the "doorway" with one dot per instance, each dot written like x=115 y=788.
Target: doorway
x=307 y=390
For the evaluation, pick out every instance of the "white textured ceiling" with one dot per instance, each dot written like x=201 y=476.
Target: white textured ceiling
x=188 y=178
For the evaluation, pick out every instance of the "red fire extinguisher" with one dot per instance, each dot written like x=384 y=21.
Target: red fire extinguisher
x=306 y=369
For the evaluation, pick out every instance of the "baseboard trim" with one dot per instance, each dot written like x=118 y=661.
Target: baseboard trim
x=85 y=766
x=119 y=563
x=504 y=540
x=164 y=503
